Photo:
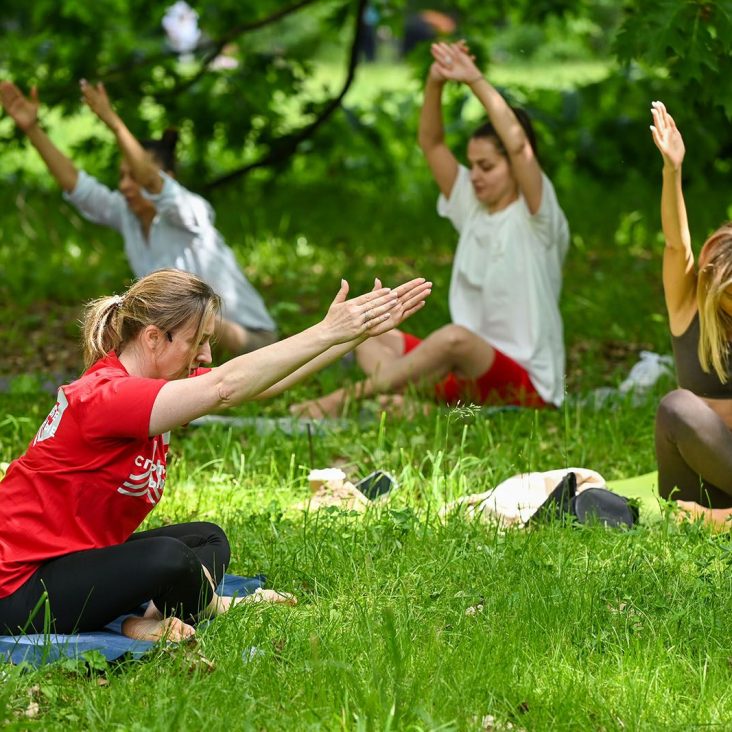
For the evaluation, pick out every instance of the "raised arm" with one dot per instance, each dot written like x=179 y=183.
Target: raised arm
x=144 y=169
x=679 y=277
x=24 y=112
x=456 y=64
x=431 y=136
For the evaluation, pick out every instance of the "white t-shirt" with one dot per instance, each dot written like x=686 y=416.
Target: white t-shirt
x=507 y=276
x=182 y=236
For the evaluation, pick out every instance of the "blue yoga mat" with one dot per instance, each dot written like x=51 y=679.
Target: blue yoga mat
x=38 y=648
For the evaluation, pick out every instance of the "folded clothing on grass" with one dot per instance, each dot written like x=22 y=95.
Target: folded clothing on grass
x=40 y=648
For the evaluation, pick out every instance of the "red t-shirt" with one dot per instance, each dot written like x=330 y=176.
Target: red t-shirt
x=89 y=477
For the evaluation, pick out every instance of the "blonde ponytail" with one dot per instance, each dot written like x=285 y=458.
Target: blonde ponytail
x=100 y=330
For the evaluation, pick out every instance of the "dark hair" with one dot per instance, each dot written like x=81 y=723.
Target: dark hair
x=487 y=130
x=163 y=150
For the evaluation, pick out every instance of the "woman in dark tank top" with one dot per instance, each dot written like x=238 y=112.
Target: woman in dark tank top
x=689 y=371
x=694 y=422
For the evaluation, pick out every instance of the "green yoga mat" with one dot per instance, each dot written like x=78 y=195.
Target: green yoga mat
x=642 y=487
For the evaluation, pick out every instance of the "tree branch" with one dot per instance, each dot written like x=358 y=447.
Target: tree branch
x=53 y=95
x=283 y=148
x=211 y=48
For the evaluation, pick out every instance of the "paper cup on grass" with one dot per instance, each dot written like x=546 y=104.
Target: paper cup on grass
x=330 y=476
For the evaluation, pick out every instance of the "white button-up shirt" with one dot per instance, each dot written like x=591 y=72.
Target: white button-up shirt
x=182 y=236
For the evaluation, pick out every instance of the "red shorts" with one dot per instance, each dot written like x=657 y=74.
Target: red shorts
x=505 y=382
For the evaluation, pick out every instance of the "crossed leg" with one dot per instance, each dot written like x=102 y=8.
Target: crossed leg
x=212 y=550
x=237 y=339
x=175 y=566
x=694 y=455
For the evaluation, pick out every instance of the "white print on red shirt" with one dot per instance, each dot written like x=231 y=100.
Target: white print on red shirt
x=150 y=481
x=49 y=427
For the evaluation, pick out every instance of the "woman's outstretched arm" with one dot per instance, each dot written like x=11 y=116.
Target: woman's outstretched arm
x=144 y=169
x=679 y=278
x=431 y=135
x=245 y=377
x=411 y=297
x=456 y=64
x=24 y=112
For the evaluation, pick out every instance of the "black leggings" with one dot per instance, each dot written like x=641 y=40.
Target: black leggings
x=88 y=589
x=693 y=450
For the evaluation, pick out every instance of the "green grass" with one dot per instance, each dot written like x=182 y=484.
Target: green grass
x=579 y=629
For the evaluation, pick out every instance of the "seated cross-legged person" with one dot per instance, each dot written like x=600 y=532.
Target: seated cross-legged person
x=72 y=503
x=162 y=223
x=694 y=422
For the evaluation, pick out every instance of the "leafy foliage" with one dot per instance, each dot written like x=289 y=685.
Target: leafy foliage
x=691 y=40
x=241 y=108
x=266 y=108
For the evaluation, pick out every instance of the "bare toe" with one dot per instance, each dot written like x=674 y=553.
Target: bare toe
x=270 y=596
x=309 y=410
x=149 y=629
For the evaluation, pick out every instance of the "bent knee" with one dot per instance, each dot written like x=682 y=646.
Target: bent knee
x=212 y=531
x=680 y=413
x=677 y=406
x=213 y=535
x=174 y=558
x=454 y=338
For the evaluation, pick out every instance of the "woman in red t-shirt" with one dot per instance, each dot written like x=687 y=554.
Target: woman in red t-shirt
x=97 y=465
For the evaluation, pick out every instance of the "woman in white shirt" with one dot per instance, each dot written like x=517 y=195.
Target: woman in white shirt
x=162 y=223
x=505 y=343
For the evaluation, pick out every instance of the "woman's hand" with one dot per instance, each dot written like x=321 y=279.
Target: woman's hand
x=666 y=136
x=23 y=110
x=436 y=74
x=350 y=319
x=455 y=62
x=411 y=296
x=95 y=97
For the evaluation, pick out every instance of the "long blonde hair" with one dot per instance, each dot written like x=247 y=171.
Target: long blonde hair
x=167 y=299
x=715 y=325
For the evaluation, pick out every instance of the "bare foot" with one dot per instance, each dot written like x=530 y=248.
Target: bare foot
x=717 y=518
x=150 y=629
x=272 y=596
x=316 y=408
x=221 y=604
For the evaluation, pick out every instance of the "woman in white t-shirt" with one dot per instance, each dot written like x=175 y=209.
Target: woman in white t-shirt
x=162 y=223
x=505 y=343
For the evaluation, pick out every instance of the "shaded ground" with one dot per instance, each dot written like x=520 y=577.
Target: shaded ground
x=46 y=342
